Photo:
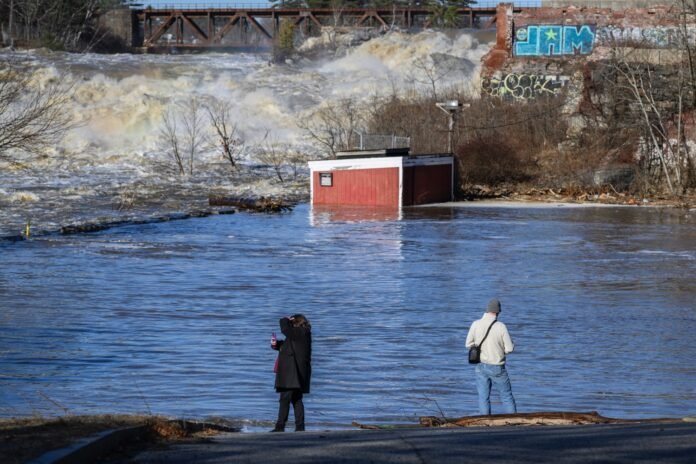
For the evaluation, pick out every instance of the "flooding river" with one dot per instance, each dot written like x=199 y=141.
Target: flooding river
x=175 y=318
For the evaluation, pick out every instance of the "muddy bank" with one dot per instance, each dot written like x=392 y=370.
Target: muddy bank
x=22 y=440
x=575 y=196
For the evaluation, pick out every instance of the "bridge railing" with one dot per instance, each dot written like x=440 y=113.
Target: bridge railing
x=263 y=5
x=201 y=6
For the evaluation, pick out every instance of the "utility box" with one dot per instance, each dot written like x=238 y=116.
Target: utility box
x=388 y=177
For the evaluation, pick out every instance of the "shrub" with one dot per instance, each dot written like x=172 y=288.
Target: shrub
x=491 y=162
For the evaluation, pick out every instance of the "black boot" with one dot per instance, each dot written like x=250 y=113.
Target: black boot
x=278 y=429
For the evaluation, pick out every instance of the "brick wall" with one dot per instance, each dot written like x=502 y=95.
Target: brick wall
x=543 y=50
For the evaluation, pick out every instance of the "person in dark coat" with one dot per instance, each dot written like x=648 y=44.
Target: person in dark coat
x=294 y=369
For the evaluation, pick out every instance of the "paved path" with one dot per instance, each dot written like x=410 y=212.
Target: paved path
x=673 y=443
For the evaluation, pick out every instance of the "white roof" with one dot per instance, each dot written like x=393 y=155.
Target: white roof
x=376 y=163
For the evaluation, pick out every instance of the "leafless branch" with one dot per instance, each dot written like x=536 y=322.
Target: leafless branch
x=194 y=133
x=332 y=125
x=33 y=114
x=169 y=136
x=273 y=154
x=226 y=136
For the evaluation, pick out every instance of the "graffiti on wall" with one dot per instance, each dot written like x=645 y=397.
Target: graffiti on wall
x=523 y=86
x=660 y=36
x=554 y=40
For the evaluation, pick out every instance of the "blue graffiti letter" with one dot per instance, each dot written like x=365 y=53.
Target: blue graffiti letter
x=550 y=40
x=529 y=47
x=578 y=40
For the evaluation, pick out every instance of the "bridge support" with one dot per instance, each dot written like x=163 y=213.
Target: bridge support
x=201 y=28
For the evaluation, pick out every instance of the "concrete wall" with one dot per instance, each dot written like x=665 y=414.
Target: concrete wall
x=119 y=26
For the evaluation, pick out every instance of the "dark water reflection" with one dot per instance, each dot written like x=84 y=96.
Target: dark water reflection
x=175 y=318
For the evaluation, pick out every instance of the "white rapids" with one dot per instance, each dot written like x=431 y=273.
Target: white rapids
x=115 y=155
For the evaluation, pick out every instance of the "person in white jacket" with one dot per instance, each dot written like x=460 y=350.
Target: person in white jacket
x=491 y=370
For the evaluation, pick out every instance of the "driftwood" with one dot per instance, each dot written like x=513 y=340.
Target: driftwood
x=262 y=204
x=532 y=418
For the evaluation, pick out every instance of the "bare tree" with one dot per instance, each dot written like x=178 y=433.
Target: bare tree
x=33 y=115
x=8 y=37
x=273 y=154
x=56 y=23
x=429 y=74
x=687 y=10
x=297 y=160
x=332 y=125
x=337 y=7
x=654 y=100
x=226 y=137
x=169 y=136
x=194 y=129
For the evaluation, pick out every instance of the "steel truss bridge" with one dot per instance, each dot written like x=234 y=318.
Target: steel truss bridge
x=195 y=27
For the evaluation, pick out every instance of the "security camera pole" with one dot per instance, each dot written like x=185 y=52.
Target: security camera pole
x=451 y=107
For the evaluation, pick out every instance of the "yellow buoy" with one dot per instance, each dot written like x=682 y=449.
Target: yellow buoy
x=27 y=230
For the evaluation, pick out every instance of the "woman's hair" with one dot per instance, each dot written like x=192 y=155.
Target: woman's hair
x=299 y=320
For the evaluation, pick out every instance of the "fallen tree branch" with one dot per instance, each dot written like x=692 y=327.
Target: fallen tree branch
x=262 y=205
x=532 y=418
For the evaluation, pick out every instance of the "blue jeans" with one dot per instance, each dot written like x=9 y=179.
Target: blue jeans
x=488 y=375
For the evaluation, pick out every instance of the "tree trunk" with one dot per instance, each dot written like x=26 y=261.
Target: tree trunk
x=11 y=22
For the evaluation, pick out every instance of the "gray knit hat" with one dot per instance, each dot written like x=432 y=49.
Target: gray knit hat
x=493 y=306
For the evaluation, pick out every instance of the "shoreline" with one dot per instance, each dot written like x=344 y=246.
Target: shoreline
x=125 y=438
x=553 y=200
x=545 y=204
x=290 y=199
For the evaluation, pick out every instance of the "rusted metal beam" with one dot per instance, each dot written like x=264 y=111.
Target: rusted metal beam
x=195 y=28
x=372 y=14
x=379 y=18
x=314 y=19
x=226 y=28
x=363 y=18
x=258 y=26
x=160 y=30
x=275 y=24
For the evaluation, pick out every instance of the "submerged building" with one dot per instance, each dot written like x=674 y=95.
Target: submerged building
x=385 y=177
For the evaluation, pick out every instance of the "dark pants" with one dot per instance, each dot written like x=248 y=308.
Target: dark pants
x=294 y=397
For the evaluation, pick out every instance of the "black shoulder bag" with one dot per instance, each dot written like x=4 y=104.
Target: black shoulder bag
x=475 y=351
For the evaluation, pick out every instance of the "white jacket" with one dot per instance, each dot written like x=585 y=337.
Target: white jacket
x=498 y=343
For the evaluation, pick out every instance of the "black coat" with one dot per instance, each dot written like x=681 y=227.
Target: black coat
x=294 y=358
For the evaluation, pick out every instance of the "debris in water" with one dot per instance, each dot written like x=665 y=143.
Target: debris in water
x=261 y=204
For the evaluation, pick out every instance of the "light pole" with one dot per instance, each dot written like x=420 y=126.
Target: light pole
x=451 y=107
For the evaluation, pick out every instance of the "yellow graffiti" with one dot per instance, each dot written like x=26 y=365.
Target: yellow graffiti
x=522 y=86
